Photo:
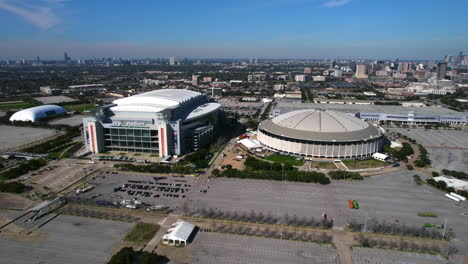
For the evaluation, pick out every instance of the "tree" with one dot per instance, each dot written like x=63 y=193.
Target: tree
x=149 y=258
x=124 y=256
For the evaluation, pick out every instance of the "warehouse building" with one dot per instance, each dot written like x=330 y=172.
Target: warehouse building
x=321 y=134
x=163 y=122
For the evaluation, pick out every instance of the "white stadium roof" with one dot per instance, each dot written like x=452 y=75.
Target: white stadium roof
x=34 y=113
x=154 y=101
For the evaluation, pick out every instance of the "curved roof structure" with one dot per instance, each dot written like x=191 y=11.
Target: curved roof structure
x=318 y=125
x=34 y=113
x=154 y=101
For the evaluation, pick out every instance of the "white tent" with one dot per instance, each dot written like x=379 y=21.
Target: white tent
x=380 y=156
x=178 y=234
x=250 y=143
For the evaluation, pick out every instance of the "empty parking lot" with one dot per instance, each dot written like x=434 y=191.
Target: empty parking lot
x=381 y=256
x=219 y=248
x=13 y=137
x=67 y=239
x=391 y=197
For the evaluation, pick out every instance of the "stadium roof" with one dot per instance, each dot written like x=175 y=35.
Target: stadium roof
x=358 y=108
x=317 y=125
x=154 y=101
x=34 y=113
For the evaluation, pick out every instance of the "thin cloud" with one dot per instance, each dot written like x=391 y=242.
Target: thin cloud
x=336 y=3
x=41 y=16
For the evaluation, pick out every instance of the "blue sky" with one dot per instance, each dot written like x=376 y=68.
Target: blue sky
x=410 y=29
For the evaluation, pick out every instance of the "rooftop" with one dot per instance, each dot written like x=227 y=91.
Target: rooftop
x=355 y=108
x=317 y=125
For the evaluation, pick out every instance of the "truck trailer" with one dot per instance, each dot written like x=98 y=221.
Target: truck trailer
x=452 y=198
x=456 y=195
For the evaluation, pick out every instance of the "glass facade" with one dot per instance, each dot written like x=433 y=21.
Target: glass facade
x=131 y=139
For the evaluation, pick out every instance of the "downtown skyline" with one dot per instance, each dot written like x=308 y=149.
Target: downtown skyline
x=349 y=29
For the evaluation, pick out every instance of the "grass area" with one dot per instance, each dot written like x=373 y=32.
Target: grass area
x=364 y=164
x=293 y=161
x=14 y=105
x=80 y=107
x=142 y=233
x=323 y=165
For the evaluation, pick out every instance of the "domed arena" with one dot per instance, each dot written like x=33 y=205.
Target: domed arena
x=321 y=134
x=35 y=113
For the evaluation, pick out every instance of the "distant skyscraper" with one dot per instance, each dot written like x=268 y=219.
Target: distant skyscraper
x=195 y=80
x=38 y=59
x=441 y=70
x=66 y=58
x=172 y=61
x=404 y=66
x=256 y=60
x=251 y=60
x=361 y=71
x=332 y=64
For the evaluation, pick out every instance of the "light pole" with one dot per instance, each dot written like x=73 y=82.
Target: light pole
x=365 y=223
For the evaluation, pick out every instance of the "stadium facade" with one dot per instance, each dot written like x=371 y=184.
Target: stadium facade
x=321 y=134
x=162 y=122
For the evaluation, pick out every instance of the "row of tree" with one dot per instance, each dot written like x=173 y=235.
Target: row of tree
x=344 y=175
x=153 y=168
x=13 y=187
x=443 y=186
x=129 y=256
x=259 y=217
x=423 y=247
x=256 y=164
x=25 y=167
x=457 y=174
x=423 y=159
x=297 y=176
x=393 y=228
x=321 y=237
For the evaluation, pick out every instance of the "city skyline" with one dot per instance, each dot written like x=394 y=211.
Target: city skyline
x=310 y=29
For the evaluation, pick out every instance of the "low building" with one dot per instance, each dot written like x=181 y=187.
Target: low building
x=302 y=78
x=250 y=143
x=179 y=234
x=454 y=183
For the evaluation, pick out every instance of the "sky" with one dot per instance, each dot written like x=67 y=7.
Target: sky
x=367 y=29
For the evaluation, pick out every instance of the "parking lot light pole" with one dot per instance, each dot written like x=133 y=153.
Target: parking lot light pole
x=365 y=223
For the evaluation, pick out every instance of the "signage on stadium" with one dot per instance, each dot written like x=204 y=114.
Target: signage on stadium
x=128 y=124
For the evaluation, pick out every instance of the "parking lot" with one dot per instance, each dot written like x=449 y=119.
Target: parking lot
x=59 y=174
x=431 y=137
x=220 y=248
x=13 y=137
x=441 y=146
x=232 y=104
x=381 y=256
x=54 y=99
x=388 y=197
x=67 y=239
x=121 y=188
x=74 y=120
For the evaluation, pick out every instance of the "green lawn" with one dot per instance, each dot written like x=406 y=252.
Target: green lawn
x=14 y=105
x=323 y=165
x=285 y=159
x=142 y=233
x=364 y=164
x=80 y=107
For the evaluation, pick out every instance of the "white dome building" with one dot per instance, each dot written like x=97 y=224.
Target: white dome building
x=321 y=134
x=35 y=113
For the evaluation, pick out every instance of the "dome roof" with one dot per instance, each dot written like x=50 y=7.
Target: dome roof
x=319 y=125
x=320 y=121
x=34 y=113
